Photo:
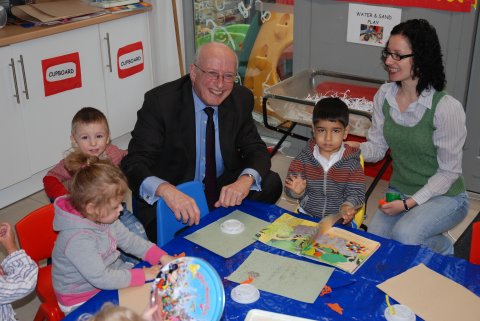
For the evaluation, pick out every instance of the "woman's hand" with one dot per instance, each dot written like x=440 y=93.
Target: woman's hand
x=353 y=144
x=396 y=207
x=393 y=208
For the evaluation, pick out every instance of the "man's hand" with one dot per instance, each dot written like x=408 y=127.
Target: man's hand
x=183 y=206
x=296 y=184
x=233 y=194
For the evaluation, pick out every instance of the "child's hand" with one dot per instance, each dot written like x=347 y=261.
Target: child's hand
x=153 y=313
x=296 y=184
x=151 y=272
x=7 y=238
x=164 y=260
x=348 y=213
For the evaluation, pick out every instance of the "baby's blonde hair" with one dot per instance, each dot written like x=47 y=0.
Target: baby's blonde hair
x=110 y=312
x=95 y=181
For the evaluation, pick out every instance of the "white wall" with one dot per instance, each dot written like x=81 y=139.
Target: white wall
x=164 y=46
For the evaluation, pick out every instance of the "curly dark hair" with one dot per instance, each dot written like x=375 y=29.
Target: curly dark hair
x=427 y=61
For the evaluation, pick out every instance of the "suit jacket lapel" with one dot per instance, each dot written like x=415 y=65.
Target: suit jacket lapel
x=188 y=128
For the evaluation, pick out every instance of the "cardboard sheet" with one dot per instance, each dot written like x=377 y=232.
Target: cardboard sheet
x=136 y=298
x=226 y=245
x=53 y=11
x=299 y=280
x=432 y=296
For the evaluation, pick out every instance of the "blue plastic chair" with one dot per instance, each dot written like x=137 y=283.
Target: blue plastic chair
x=167 y=224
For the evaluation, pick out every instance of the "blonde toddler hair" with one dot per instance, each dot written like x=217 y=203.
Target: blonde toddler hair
x=96 y=181
x=110 y=312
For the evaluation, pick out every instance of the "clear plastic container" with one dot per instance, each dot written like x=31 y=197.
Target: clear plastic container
x=293 y=99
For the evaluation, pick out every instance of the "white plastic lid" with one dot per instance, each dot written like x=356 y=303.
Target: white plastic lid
x=402 y=313
x=232 y=227
x=245 y=294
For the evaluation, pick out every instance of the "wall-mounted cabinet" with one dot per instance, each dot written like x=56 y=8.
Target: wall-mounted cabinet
x=47 y=119
x=127 y=66
x=14 y=160
x=112 y=74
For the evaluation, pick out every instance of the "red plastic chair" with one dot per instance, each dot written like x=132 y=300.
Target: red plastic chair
x=475 y=244
x=36 y=236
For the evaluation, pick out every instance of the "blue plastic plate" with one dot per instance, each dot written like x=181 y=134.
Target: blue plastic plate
x=191 y=289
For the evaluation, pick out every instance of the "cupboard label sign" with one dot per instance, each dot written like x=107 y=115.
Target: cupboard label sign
x=130 y=60
x=61 y=73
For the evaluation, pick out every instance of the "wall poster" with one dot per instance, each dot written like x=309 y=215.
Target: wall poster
x=447 y=5
x=371 y=25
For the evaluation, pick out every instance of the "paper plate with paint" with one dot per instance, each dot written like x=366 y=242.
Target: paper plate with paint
x=190 y=289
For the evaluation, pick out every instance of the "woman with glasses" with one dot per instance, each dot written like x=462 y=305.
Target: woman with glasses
x=425 y=130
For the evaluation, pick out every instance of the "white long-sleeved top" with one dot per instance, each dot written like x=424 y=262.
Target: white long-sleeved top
x=19 y=280
x=448 y=137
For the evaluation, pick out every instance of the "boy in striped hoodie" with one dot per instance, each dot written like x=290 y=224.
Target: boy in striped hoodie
x=326 y=176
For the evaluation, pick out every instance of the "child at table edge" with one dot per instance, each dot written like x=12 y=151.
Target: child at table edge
x=111 y=312
x=18 y=273
x=326 y=176
x=85 y=257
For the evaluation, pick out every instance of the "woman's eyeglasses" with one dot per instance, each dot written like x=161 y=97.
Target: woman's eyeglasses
x=395 y=56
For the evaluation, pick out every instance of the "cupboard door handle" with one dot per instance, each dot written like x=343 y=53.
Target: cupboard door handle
x=107 y=38
x=24 y=78
x=12 y=64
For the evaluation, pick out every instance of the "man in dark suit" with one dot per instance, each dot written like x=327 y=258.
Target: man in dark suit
x=168 y=142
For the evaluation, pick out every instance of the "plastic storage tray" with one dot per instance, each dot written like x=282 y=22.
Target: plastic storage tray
x=291 y=101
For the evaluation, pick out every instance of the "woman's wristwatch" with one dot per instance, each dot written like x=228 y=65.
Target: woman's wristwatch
x=405 y=205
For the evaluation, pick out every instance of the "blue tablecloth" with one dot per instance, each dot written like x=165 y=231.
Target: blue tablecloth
x=356 y=294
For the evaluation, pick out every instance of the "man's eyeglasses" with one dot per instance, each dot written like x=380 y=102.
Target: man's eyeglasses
x=213 y=75
x=395 y=56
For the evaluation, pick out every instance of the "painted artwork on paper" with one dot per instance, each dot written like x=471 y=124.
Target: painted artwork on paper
x=337 y=247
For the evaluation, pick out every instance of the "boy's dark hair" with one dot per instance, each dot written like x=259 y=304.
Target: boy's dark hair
x=331 y=109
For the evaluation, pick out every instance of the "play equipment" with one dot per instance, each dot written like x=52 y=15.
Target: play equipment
x=274 y=37
x=260 y=46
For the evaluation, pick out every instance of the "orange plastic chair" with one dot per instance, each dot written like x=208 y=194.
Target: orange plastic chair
x=36 y=236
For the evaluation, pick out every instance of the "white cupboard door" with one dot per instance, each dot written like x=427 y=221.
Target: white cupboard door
x=54 y=88
x=14 y=163
x=127 y=68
